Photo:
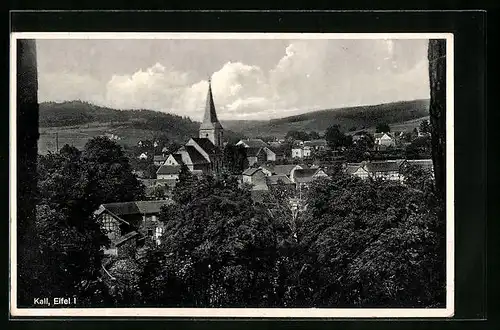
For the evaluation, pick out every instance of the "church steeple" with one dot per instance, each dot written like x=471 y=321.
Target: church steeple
x=210 y=127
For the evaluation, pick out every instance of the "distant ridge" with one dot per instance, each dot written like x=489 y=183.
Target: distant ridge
x=359 y=117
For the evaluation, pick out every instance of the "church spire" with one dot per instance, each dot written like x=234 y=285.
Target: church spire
x=210 y=119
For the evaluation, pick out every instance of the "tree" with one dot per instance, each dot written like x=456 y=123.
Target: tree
x=235 y=159
x=437 y=111
x=425 y=127
x=109 y=173
x=383 y=128
x=313 y=135
x=369 y=243
x=297 y=135
x=335 y=138
x=217 y=248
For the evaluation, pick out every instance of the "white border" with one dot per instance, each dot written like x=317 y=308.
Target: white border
x=241 y=312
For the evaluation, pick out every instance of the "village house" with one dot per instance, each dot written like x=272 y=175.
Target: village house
x=129 y=225
x=258 y=152
x=297 y=152
x=252 y=143
x=168 y=172
x=384 y=140
x=387 y=170
x=286 y=170
x=143 y=156
x=275 y=179
x=303 y=177
x=255 y=177
x=158 y=160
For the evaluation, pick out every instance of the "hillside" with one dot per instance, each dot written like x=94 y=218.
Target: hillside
x=361 y=117
x=75 y=122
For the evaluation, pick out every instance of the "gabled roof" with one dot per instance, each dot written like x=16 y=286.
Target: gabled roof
x=195 y=156
x=210 y=119
x=151 y=207
x=251 y=171
x=159 y=158
x=206 y=145
x=178 y=158
x=305 y=175
x=126 y=237
x=280 y=169
x=136 y=207
x=253 y=152
x=254 y=143
x=383 y=166
x=274 y=179
x=168 y=169
x=315 y=143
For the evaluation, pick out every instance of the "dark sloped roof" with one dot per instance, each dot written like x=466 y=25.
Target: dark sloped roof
x=300 y=173
x=273 y=179
x=150 y=207
x=315 y=143
x=210 y=119
x=385 y=166
x=206 y=145
x=255 y=143
x=195 y=155
x=282 y=169
x=159 y=158
x=253 y=152
x=425 y=163
x=251 y=171
x=136 y=207
x=178 y=158
x=168 y=169
x=126 y=237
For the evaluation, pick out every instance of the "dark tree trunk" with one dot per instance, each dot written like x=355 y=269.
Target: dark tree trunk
x=437 y=111
x=27 y=138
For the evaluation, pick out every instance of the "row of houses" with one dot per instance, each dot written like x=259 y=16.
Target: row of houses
x=131 y=225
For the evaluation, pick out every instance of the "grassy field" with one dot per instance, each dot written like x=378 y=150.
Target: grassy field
x=77 y=136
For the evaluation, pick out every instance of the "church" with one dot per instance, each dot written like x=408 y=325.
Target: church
x=202 y=154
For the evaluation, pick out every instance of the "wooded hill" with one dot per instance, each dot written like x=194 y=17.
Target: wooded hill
x=352 y=118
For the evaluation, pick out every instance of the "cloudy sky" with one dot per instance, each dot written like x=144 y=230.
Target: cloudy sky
x=251 y=79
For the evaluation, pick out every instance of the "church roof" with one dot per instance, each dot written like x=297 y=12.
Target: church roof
x=195 y=155
x=210 y=119
x=206 y=145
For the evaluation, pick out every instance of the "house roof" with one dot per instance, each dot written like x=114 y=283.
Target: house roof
x=253 y=151
x=206 y=145
x=424 y=163
x=254 y=143
x=280 y=169
x=383 y=166
x=159 y=158
x=178 y=158
x=305 y=175
x=251 y=171
x=315 y=143
x=126 y=237
x=136 y=207
x=168 y=169
x=274 y=179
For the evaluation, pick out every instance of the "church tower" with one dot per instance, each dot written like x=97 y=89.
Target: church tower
x=210 y=127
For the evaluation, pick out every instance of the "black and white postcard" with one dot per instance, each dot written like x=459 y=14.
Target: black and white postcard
x=301 y=175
